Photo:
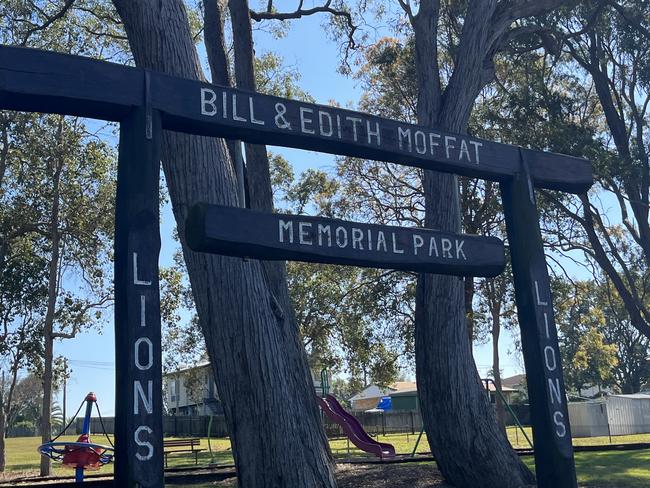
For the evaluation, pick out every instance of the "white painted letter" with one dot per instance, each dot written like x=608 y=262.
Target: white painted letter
x=464 y=150
x=324 y=229
x=376 y=133
x=143 y=316
x=381 y=240
x=304 y=120
x=432 y=140
x=253 y=119
x=476 y=146
x=138 y=393
x=304 y=234
x=449 y=146
x=433 y=247
x=136 y=280
x=459 y=250
x=355 y=121
x=234 y=110
x=539 y=300
x=207 y=104
x=554 y=390
x=322 y=114
x=546 y=358
x=341 y=242
x=558 y=419
x=357 y=236
x=395 y=249
x=420 y=142
x=446 y=247
x=138 y=365
x=407 y=135
x=418 y=242
x=140 y=442
x=288 y=226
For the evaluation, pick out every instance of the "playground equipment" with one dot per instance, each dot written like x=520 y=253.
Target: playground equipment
x=353 y=429
x=82 y=454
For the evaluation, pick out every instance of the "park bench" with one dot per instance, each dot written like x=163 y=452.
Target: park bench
x=183 y=445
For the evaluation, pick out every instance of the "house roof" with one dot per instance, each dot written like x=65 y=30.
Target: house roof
x=411 y=392
x=512 y=381
x=374 y=391
x=404 y=386
x=183 y=369
x=491 y=387
x=634 y=396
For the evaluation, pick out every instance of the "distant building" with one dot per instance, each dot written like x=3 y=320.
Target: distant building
x=192 y=391
x=506 y=391
x=370 y=396
x=516 y=382
x=405 y=399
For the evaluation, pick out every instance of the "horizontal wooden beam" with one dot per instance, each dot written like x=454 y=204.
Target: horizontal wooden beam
x=233 y=231
x=43 y=81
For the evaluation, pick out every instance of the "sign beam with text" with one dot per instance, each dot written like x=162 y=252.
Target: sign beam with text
x=239 y=232
x=48 y=82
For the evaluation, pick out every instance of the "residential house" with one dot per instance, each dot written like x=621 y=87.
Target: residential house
x=192 y=391
x=370 y=396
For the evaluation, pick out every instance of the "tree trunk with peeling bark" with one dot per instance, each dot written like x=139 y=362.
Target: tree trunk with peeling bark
x=470 y=449
x=251 y=335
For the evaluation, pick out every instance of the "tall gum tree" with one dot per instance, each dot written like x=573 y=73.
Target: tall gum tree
x=458 y=418
x=251 y=338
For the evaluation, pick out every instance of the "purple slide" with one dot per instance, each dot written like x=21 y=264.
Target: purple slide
x=353 y=428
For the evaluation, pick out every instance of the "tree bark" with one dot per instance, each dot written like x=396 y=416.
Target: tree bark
x=3 y=424
x=252 y=341
x=48 y=326
x=496 y=369
x=458 y=417
x=257 y=161
x=215 y=47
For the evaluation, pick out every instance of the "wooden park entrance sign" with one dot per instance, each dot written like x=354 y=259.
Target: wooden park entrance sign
x=146 y=102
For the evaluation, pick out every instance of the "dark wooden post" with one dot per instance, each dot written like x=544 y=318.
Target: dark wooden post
x=554 y=463
x=138 y=395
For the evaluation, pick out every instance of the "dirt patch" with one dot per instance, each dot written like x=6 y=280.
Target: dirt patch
x=408 y=475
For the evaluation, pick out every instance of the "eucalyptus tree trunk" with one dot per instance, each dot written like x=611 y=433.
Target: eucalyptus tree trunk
x=252 y=339
x=52 y=292
x=496 y=368
x=3 y=424
x=470 y=449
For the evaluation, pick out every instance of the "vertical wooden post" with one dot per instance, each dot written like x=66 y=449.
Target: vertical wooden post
x=554 y=463
x=138 y=395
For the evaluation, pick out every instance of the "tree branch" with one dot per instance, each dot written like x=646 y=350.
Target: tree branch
x=300 y=12
x=50 y=19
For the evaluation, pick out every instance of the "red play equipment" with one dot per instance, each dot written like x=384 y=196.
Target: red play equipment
x=82 y=454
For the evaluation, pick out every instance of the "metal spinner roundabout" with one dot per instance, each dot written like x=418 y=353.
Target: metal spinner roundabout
x=83 y=454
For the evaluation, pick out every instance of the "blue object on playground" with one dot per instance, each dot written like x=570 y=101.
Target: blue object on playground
x=386 y=403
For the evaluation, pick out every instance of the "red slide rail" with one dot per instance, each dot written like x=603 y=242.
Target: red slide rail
x=353 y=429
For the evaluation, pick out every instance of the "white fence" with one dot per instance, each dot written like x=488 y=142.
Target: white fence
x=615 y=415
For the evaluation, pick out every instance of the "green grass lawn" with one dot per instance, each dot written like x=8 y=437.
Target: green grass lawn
x=24 y=460
x=620 y=469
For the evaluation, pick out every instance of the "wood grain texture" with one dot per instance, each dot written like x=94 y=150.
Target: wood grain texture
x=234 y=231
x=554 y=464
x=137 y=305
x=49 y=82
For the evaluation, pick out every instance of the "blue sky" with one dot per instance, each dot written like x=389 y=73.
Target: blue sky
x=306 y=48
